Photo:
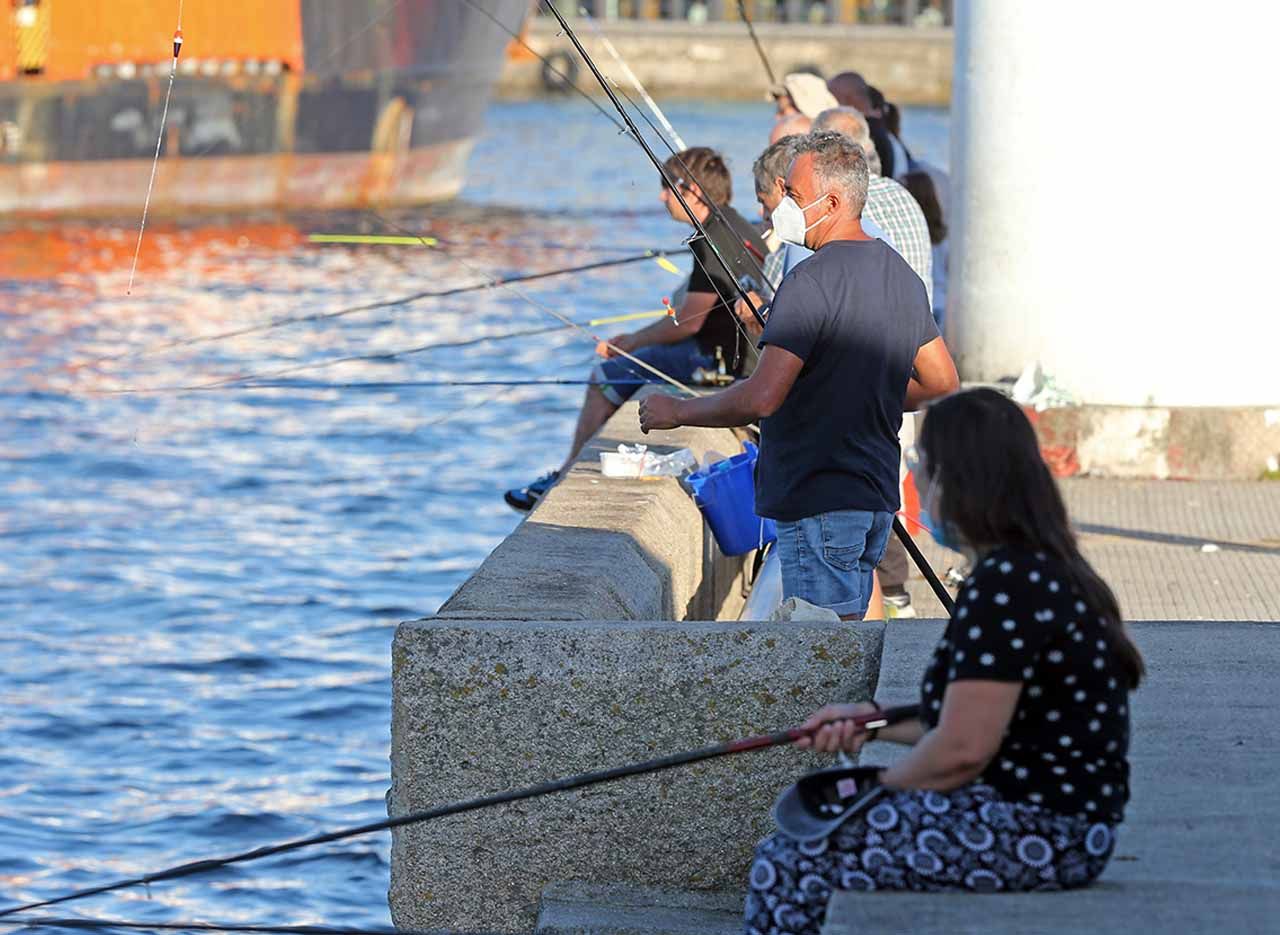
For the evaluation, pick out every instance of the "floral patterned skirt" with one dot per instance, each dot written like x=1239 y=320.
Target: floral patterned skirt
x=969 y=839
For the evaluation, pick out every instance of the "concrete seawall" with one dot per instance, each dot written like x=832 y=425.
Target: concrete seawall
x=600 y=633
x=718 y=60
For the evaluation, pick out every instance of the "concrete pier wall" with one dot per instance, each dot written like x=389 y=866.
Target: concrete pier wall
x=718 y=60
x=590 y=639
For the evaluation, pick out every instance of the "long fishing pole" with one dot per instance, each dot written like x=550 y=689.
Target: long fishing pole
x=564 y=319
x=635 y=82
x=396 y=240
x=923 y=564
x=872 y=721
x=657 y=163
x=95 y=924
x=657 y=256
x=764 y=59
x=372 y=385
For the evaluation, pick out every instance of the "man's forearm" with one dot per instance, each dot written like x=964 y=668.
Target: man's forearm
x=733 y=407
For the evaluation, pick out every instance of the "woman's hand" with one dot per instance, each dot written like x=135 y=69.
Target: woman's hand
x=834 y=730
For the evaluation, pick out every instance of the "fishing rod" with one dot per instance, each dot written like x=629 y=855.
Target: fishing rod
x=95 y=924
x=561 y=317
x=635 y=82
x=871 y=721
x=764 y=59
x=389 y=240
x=631 y=131
x=662 y=171
x=372 y=385
x=923 y=564
x=657 y=256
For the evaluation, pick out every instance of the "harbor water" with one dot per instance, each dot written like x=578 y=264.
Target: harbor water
x=198 y=589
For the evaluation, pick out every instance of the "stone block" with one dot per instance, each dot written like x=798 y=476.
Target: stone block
x=480 y=707
x=600 y=548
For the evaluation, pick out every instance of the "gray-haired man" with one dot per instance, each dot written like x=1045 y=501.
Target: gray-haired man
x=850 y=341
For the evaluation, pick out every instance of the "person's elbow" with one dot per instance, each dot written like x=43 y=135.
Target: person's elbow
x=765 y=399
x=947 y=383
x=968 y=755
x=939 y=380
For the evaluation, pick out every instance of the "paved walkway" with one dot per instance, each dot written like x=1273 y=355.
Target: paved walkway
x=1172 y=550
x=1198 y=851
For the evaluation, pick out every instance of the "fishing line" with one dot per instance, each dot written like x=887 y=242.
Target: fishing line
x=569 y=82
x=560 y=317
x=382 y=357
x=635 y=82
x=764 y=59
x=155 y=162
x=871 y=721
x=658 y=256
x=626 y=117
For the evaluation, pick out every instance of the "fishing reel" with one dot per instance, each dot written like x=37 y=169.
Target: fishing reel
x=719 y=377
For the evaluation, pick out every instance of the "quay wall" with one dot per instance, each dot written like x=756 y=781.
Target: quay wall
x=601 y=632
x=718 y=60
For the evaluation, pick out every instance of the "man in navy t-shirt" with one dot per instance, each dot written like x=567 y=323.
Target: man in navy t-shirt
x=850 y=342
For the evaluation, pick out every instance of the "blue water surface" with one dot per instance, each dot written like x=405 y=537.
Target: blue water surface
x=198 y=590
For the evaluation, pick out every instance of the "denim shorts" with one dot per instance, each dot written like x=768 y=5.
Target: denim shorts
x=828 y=559
x=678 y=361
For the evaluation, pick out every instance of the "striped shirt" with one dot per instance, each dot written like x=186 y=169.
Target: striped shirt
x=892 y=207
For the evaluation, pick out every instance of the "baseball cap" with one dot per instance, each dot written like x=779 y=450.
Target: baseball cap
x=821 y=802
x=809 y=92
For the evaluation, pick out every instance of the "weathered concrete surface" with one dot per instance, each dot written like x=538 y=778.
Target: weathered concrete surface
x=480 y=707
x=673 y=59
x=1180 y=443
x=600 y=548
x=591 y=909
x=1199 y=850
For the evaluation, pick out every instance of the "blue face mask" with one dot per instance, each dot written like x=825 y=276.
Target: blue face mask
x=940 y=531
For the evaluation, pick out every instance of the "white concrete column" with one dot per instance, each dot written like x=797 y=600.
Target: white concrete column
x=1114 y=170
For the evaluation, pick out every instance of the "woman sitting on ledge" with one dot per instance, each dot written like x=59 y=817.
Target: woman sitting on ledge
x=1018 y=773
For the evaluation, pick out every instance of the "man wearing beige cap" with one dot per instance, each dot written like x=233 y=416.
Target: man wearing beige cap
x=802 y=93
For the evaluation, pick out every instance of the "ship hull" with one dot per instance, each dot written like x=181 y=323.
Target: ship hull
x=381 y=108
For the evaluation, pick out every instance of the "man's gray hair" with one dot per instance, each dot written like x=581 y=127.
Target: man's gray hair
x=775 y=162
x=838 y=164
x=850 y=122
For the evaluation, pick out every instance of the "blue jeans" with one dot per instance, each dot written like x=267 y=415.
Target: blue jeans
x=828 y=559
x=678 y=361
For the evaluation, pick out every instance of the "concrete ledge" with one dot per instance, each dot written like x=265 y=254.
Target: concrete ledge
x=591 y=909
x=1183 y=443
x=600 y=548
x=1105 y=907
x=480 y=707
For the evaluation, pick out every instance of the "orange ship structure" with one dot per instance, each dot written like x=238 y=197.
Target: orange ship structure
x=283 y=104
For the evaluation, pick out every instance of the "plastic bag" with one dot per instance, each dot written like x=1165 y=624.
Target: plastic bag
x=638 y=461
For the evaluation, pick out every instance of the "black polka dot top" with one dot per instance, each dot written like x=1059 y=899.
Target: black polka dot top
x=1018 y=619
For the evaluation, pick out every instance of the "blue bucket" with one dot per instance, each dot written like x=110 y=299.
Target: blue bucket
x=726 y=494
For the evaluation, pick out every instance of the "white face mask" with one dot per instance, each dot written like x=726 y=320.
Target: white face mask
x=788 y=220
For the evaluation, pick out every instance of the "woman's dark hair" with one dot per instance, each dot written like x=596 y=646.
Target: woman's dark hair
x=926 y=195
x=704 y=167
x=996 y=490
